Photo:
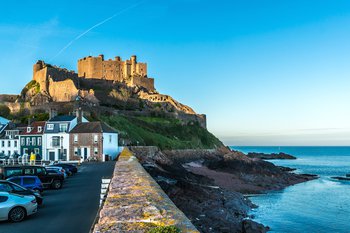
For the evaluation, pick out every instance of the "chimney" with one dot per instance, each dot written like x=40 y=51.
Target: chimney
x=79 y=115
x=52 y=113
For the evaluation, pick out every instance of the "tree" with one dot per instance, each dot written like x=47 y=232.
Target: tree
x=4 y=111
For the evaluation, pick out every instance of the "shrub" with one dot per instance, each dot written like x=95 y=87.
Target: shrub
x=166 y=229
x=4 y=111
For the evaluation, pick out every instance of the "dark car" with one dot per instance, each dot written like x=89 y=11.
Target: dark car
x=8 y=186
x=29 y=182
x=48 y=180
x=73 y=169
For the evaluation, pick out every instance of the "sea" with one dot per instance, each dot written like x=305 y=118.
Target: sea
x=321 y=205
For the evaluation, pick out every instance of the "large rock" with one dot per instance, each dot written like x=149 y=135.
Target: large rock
x=249 y=226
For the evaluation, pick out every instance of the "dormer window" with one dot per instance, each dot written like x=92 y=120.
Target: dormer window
x=40 y=129
x=29 y=129
x=50 y=126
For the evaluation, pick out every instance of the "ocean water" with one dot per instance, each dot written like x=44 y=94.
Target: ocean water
x=321 y=205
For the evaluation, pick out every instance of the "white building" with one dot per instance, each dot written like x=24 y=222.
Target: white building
x=56 y=137
x=9 y=142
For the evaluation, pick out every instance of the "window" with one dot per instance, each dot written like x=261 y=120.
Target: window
x=95 y=138
x=33 y=141
x=40 y=171
x=29 y=129
x=56 y=141
x=23 y=140
x=40 y=129
x=36 y=151
x=3 y=143
x=8 y=143
x=75 y=137
x=96 y=150
x=9 y=153
x=29 y=171
x=28 y=181
x=15 y=143
x=63 y=127
x=17 y=188
x=39 y=141
x=50 y=126
x=5 y=187
x=13 y=172
x=75 y=151
x=25 y=151
x=3 y=199
x=28 y=141
x=16 y=180
x=110 y=138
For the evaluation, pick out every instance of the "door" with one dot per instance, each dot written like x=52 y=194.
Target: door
x=85 y=153
x=52 y=156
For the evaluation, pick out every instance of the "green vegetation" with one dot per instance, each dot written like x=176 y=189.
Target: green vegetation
x=32 y=84
x=37 y=117
x=166 y=229
x=4 y=111
x=166 y=133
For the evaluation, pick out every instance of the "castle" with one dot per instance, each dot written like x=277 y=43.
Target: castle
x=129 y=72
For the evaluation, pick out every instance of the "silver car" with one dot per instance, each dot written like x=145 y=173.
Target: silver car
x=16 y=207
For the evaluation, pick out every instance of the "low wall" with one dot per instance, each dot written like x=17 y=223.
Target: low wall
x=136 y=203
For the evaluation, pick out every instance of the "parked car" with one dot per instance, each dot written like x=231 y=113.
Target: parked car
x=73 y=169
x=48 y=180
x=8 y=186
x=16 y=207
x=29 y=182
x=60 y=169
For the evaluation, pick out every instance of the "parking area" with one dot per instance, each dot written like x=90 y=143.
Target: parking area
x=70 y=209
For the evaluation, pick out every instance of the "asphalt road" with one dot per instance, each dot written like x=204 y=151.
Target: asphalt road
x=71 y=209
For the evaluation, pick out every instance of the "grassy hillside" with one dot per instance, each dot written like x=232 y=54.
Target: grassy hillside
x=166 y=133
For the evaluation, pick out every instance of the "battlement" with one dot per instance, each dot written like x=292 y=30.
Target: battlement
x=116 y=70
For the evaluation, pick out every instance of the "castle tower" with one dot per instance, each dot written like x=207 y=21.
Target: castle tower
x=37 y=66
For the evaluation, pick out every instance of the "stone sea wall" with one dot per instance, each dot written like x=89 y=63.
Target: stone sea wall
x=136 y=203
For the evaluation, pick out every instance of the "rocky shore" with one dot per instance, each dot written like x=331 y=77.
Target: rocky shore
x=208 y=185
x=280 y=155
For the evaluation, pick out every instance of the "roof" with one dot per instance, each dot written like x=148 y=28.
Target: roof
x=93 y=127
x=62 y=118
x=35 y=125
x=3 y=121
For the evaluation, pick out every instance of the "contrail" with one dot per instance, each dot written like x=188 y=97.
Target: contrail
x=95 y=26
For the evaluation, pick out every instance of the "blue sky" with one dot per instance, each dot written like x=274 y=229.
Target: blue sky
x=264 y=72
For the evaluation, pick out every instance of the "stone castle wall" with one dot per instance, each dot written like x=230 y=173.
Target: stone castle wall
x=56 y=90
x=8 y=98
x=46 y=74
x=136 y=203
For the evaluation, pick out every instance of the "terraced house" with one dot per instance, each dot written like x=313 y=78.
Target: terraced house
x=31 y=139
x=93 y=140
x=56 y=137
